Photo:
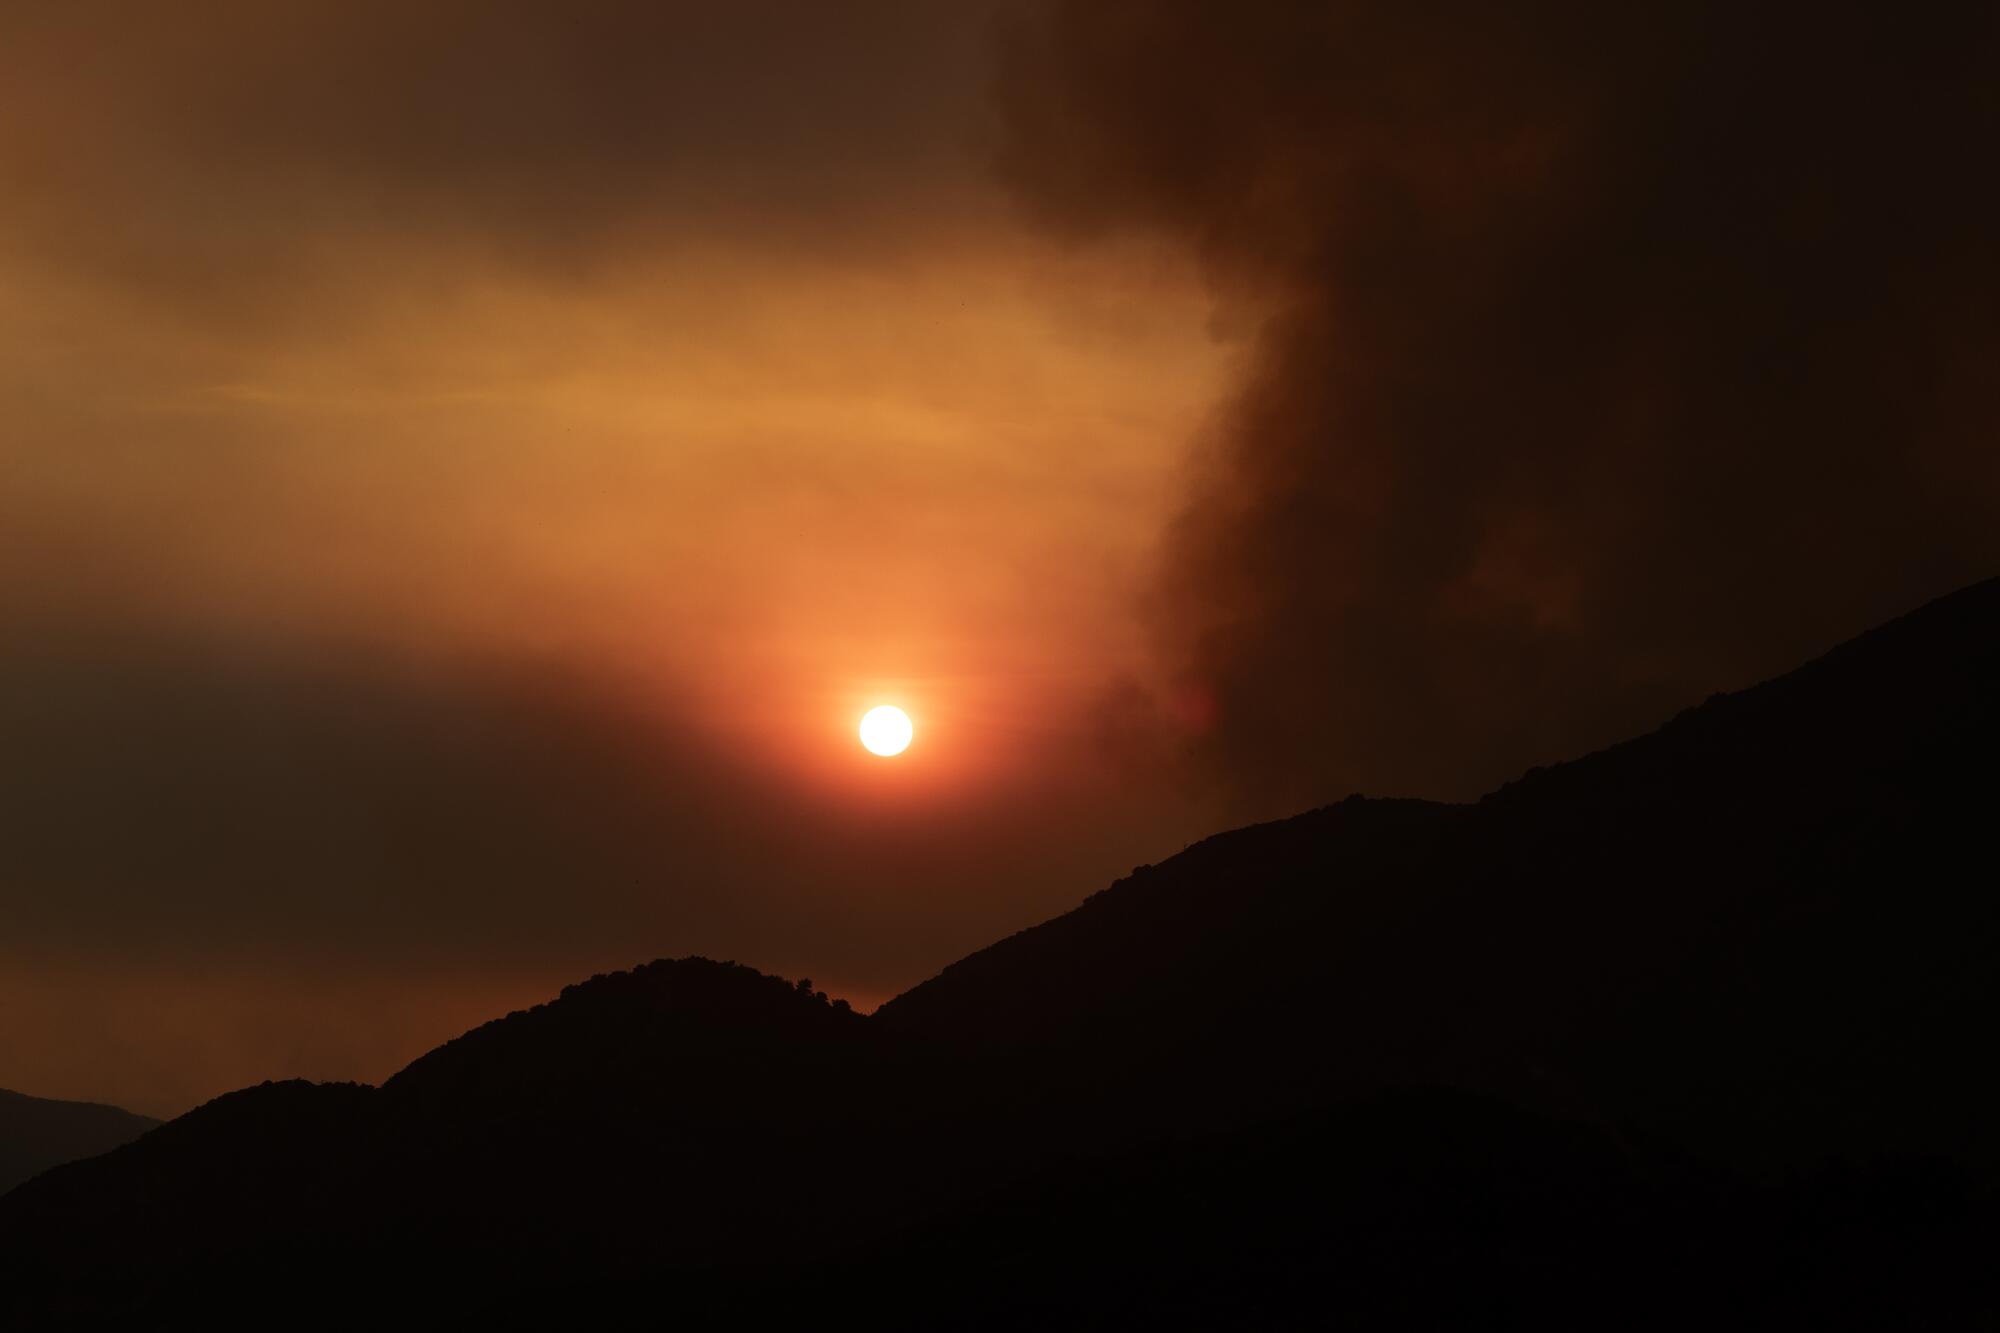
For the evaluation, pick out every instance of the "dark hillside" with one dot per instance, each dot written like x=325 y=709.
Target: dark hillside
x=1767 y=929
x=1697 y=1024
x=655 y=1118
x=37 y=1133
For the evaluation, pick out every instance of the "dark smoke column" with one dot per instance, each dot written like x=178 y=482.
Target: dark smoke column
x=1604 y=356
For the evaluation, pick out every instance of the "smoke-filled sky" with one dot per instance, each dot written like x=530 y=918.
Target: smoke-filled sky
x=464 y=469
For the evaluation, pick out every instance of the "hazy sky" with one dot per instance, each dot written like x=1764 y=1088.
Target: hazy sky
x=465 y=468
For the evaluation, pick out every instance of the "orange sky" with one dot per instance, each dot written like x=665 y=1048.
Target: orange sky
x=465 y=466
x=735 y=432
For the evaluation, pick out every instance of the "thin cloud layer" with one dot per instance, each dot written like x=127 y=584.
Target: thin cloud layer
x=1604 y=355
x=466 y=468
x=228 y=825
x=256 y=136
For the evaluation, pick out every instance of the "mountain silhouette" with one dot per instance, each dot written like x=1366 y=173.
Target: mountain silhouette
x=37 y=1133
x=1766 y=929
x=1693 y=1028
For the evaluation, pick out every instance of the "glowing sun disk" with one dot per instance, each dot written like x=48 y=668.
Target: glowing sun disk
x=886 y=730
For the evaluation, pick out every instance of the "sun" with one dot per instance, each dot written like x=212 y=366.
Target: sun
x=886 y=730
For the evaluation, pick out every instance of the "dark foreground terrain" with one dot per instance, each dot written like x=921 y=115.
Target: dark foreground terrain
x=37 y=1133
x=1694 y=1031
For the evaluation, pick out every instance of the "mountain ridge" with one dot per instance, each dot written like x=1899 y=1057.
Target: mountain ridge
x=1731 y=977
x=37 y=1133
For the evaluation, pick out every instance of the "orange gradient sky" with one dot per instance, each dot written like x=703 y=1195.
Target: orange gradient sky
x=467 y=465
x=734 y=432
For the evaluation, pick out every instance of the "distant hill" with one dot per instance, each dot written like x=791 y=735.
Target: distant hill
x=36 y=1133
x=1695 y=1029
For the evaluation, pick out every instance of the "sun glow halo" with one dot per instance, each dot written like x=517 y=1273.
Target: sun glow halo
x=886 y=730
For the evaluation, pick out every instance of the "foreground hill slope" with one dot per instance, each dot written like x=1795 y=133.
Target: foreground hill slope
x=1766 y=930
x=502 y=1159
x=37 y=1133
x=1696 y=1022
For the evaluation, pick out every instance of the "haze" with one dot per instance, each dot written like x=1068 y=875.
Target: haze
x=467 y=468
